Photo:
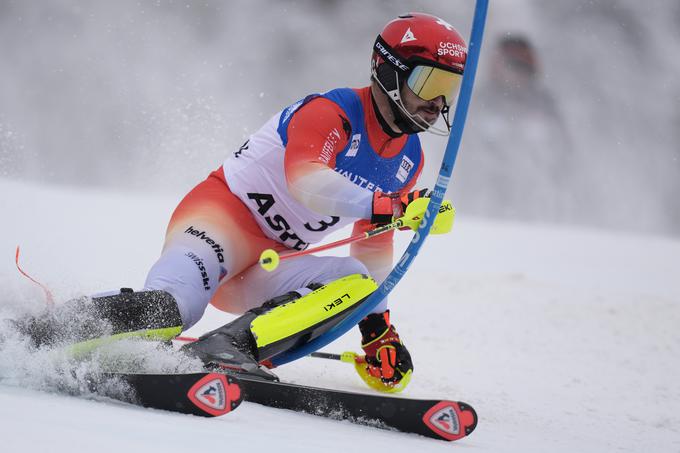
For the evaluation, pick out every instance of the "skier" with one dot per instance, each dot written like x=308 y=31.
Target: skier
x=348 y=155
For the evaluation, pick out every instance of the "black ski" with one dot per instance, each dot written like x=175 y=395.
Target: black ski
x=438 y=419
x=211 y=394
x=204 y=394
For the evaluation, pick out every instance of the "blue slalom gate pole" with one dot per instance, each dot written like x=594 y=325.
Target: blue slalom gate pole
x=443 y=179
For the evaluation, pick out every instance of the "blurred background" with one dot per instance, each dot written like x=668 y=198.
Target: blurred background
x=575 y=117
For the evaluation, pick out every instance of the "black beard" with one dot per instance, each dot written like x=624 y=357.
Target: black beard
x=382 y=121
x=403 y=122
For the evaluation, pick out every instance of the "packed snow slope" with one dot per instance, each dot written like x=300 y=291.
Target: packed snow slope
x=563 y=340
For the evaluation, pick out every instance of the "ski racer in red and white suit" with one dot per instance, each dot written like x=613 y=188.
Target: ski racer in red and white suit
x=306 y=173
x=318 y=165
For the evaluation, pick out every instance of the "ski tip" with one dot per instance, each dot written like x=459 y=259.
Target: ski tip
x=451 y=420
x=470 y=418
x=215 y=394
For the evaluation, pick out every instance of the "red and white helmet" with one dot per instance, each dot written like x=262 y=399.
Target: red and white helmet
x=428 y=55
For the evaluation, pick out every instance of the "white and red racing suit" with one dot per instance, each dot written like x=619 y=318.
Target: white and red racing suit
x=310 y=170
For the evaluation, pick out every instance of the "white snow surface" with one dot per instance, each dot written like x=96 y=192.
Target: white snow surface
x=562 y=339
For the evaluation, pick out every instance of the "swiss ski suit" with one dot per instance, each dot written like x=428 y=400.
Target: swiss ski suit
x=309 y=171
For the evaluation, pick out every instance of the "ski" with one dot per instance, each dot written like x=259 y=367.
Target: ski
x=204 y=394
x=212 y=394
x=438 y=419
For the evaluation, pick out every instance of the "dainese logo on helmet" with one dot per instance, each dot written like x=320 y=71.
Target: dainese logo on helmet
x=388 y=56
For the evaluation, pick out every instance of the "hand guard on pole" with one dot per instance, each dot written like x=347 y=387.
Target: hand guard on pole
x=388 y=363
x=390 y=206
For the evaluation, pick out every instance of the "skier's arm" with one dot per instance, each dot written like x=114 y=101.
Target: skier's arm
x=377 y=253
x=316 y=134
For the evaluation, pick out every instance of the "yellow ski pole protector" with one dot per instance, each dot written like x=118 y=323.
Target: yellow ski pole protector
x=374 y=382
x=443 y=221
x=315 y=308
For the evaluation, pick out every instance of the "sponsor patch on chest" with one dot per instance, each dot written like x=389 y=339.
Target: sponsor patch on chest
x=405 y=168
x=354 y=146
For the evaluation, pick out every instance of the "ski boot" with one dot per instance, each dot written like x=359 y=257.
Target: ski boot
x=246 y=345
x=86 y=322
x=232 y=347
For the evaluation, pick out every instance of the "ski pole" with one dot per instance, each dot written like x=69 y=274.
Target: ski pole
x=445 y=171
x=347 y=356
x=269 y=259
x=359 y=362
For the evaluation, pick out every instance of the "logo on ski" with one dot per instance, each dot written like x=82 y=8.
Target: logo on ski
x=214 y=395
x=450 y=420
x=446 y=420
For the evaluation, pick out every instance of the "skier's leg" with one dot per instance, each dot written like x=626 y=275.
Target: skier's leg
x=334 y=288
x=211 y=238
x=124 y=313
x=252 y=287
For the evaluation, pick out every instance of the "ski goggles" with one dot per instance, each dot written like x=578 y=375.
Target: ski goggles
x=428 y=82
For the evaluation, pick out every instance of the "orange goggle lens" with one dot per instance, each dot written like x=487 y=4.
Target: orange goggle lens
x=429 y=83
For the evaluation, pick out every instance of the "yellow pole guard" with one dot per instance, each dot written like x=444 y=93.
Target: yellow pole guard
x=443 y=221
x=376 y=383
x=359 y=362
x=314 y=308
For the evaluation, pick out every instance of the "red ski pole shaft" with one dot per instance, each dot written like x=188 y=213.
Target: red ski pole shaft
x=269 y=259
